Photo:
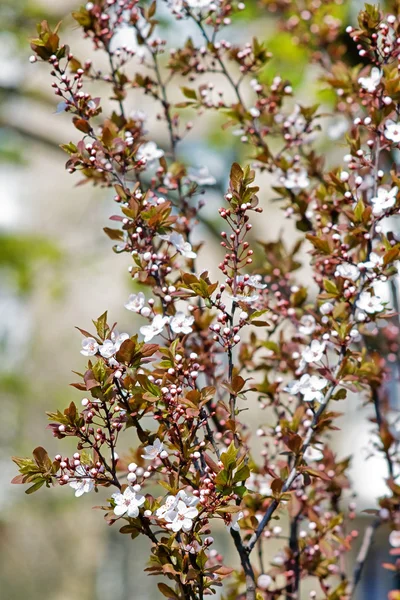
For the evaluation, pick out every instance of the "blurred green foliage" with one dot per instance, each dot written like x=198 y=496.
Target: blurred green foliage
x=21 y=255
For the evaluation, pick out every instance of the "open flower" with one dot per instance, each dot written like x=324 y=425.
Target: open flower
x=136 y=302
x=177 y=240
x=313 y=453
x=111 y=346
x=371 y=83
x=128 y=503
x=392 y=131
x=234 y=521
x=180 y=323
x=83 y=483
x=154 y=328
x=153 y=450
x=326 y=308
x=201 y=176
x=259 y=483
x=108 y=349
x=149 y=152
x=383 y=200
x=89 y=346
x=307 y=325
x=187 y=498
x=369 y=303
x=314 y=352
x=309 y=386
x=243 y=298
x=119 y=338
x=201 y=4
x=253 y=281
x=171 y=503
x=374 y=261
x=296 y=180
x=348 y=271
x=181 y=517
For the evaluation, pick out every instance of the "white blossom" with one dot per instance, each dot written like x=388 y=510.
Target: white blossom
x=314 y=352
x=111 y=346
x=128 y=503
x=326 y=308
x=138 y=115
x=201 y=176
x=119 y=338
x=307 y=325
x=264 y=581
x=243 y=298
x=177 y=240
x=136 y=302
x=369 y=303
x=347 y=271
x=154 y=328
x=254 y=111
x=89 y=346
x=153 y=450
x=187 y=499
x=394 y=539
x=296 y=180
x=201 y=4
x=253 y=281
x=314 y=453
x=234 y=521
x=259 y=483
x=371 y=83
x=171 y=503
x=149 y=152
x=383 y=200
x=181 y=516
x=83 y=484
x=298 y=125
x=337 y=128
x=309 y=386
x=108 y=349
x=374 y=261
x=180 y=323
x=392 y=131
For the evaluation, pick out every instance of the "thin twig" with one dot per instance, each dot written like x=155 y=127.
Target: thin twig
x=363 y=555
x=295 y=472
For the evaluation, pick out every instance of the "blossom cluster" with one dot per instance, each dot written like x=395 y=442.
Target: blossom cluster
x=200 y=351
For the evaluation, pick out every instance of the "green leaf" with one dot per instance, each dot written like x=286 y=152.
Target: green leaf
x=189 y=93
x=330 y=287
x=201 y=560
x=113 y=234
x=35 y=487
x=359 y=211
x=101 y=325
x=241 y=474
x=228 y=457
x=149 y=386
x=167 y=591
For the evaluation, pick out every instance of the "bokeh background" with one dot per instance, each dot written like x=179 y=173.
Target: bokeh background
x=57 y=271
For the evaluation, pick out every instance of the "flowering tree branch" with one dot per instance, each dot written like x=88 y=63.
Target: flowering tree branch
x=205 y=349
